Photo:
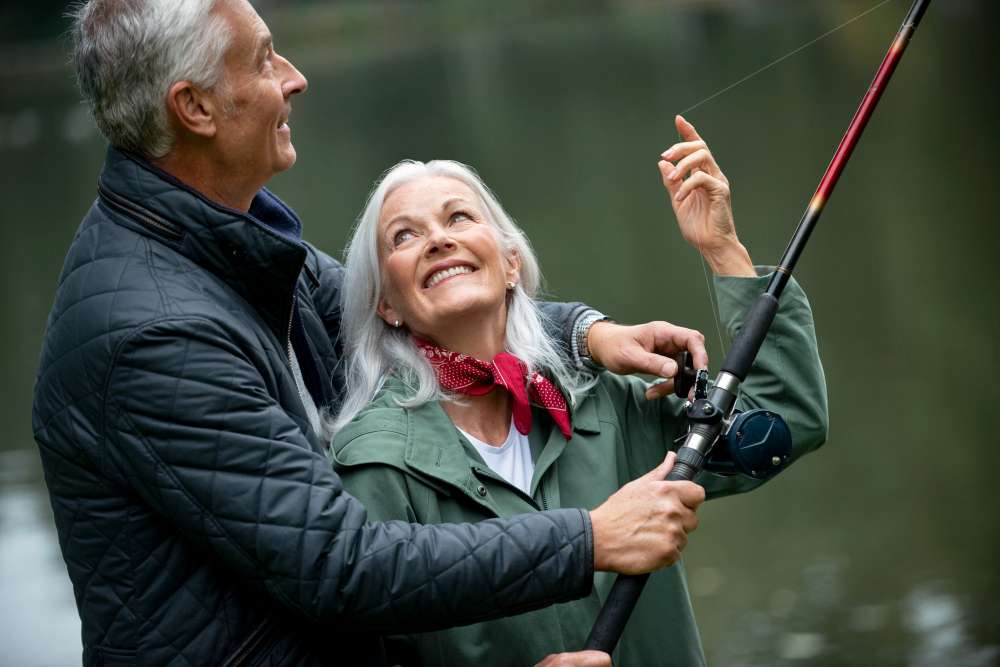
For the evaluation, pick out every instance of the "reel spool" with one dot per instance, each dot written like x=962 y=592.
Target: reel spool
x=758 y=444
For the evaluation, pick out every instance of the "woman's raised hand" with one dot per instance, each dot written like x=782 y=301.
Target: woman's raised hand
x=700 y=196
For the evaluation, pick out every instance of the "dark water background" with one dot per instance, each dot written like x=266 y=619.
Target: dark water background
x=883 y=547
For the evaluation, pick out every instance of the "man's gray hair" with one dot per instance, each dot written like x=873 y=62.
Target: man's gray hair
x=128 y=53
x=373 y=349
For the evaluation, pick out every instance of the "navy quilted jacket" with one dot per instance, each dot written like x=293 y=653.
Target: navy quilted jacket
x=198 y=515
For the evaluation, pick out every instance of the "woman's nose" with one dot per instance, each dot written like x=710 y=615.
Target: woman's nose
x=439 y=241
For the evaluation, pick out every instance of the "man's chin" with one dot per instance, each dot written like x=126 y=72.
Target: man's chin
x=288 y=159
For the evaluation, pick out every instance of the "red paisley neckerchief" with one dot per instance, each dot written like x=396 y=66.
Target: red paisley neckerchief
x=463 y=374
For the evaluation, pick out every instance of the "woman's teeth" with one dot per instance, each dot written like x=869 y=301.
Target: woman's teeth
x=438 y=276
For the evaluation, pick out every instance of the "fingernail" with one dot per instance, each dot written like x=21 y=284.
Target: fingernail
x=668 y=153
x=672 y=175
x=680 y=196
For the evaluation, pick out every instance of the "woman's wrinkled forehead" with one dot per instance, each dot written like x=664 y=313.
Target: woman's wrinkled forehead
x=426 y=197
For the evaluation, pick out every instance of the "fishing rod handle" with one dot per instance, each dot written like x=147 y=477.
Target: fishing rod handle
x=687 y=465
x=625 y=592
x=615 y=613
x=756 y=323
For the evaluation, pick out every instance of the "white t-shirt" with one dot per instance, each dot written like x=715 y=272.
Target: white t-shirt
x=511 y=460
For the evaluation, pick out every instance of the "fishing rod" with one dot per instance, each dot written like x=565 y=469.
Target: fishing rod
x=712 y=415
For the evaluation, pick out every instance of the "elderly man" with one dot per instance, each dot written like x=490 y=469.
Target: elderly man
x=188 y=356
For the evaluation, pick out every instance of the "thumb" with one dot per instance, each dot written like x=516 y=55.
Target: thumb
x=654 y=364
x=660 y=472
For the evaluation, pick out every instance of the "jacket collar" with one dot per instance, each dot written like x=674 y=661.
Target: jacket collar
x=435 y=448
x=258 y=254
x=584 y=415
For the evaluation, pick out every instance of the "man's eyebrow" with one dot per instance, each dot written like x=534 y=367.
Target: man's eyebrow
x=263 y=42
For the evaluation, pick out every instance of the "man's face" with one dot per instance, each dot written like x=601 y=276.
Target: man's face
x=253 y=133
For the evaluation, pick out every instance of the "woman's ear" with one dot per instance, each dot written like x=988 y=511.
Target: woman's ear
x=513 y=271
x=388 y=314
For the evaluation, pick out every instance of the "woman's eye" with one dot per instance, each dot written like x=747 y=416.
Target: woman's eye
x=461 y=216
x=402 y=236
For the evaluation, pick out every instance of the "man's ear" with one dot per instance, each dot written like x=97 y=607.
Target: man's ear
x=193 y=109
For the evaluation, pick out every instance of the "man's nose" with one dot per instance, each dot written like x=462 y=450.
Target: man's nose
x=294 y=81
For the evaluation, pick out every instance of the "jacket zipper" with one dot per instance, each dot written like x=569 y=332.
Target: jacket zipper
x=139 y=214
x=288 y=337
x=295 y=367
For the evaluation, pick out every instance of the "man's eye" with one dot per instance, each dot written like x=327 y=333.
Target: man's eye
x=402 y=236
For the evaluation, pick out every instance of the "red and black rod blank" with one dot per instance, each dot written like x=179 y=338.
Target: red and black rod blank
x=626 y=590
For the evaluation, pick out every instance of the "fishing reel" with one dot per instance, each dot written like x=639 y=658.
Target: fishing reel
x=757 y=443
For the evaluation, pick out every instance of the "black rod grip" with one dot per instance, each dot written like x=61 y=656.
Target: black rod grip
x=687 y=465
x=615 y=613
x=755 y=325
x=627 y=588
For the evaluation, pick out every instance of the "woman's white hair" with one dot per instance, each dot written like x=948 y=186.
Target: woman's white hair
x=127 y=54
x=373 y=349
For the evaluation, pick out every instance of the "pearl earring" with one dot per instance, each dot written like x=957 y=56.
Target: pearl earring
x=511 y=284
x=396 y=324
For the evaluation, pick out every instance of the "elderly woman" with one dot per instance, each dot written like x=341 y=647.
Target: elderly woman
x=459 y=408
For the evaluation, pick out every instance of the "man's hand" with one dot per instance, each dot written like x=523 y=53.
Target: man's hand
x=577 y=659
x=644 y=525
x=645 y=348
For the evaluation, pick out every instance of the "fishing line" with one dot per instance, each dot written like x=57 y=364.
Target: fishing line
x=786 y=56
x=713 y=299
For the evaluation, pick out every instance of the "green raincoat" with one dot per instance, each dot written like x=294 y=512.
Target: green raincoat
x=413 y=465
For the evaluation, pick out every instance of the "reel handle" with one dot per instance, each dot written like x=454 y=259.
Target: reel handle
x=686 y=374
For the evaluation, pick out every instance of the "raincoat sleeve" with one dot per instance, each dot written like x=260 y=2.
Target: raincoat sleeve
x=787 y=377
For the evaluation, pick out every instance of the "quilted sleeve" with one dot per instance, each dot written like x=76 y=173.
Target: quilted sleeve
x=191 y=429
x=559 y=319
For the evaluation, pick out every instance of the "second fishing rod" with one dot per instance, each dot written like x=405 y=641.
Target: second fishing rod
x=711 y=416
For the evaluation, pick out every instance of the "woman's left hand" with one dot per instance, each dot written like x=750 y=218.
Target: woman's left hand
x=699 y=193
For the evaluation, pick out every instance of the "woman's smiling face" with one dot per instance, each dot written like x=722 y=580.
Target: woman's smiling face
x=441 y=260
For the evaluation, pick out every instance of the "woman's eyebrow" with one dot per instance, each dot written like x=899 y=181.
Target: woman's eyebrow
x=403 y=217
x=454 y=200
